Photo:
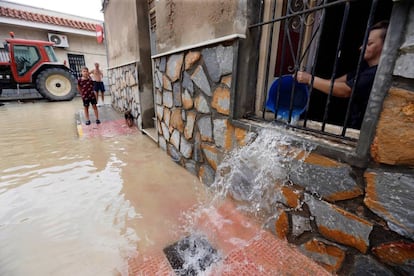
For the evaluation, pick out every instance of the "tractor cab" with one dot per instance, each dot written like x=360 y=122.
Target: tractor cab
x=33 y=64
x=27 y=55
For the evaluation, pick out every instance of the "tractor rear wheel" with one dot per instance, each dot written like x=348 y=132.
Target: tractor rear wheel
x=56 y=84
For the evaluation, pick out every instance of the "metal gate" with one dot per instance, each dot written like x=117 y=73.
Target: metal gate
x=76 y=62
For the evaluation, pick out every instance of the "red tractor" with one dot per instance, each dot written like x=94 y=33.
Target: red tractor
x=33 y=64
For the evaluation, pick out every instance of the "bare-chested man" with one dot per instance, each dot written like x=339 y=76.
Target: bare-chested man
x=98 y=85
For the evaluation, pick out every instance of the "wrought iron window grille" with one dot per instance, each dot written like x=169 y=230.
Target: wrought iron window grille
x=300 y=25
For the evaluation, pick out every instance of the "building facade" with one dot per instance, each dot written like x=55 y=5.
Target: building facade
x=198 y=78
x=76 y=42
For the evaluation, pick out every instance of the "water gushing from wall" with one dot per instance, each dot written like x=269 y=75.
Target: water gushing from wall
x=252 y=176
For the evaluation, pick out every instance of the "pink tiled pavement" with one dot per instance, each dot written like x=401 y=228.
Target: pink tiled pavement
x=151 y=265
x=109 y=128
x=246 y=249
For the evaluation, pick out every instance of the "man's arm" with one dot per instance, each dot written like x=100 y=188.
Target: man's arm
x=340 y=87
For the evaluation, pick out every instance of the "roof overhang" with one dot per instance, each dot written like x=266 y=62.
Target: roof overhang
x=43 y=26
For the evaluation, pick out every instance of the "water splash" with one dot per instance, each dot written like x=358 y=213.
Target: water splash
x=191 y=255
x=253 y=174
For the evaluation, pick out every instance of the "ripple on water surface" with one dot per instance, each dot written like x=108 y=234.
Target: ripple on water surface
x=78 y=215
x=71 y=206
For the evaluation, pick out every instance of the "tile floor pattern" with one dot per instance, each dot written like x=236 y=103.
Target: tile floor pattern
x=261 y=254
x=112 y=124
x=106 y=129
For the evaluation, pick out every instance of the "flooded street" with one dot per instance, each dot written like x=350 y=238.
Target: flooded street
x=113 y=203
x=71 y=206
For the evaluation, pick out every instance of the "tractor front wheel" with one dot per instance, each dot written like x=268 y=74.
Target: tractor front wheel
x=56 y=84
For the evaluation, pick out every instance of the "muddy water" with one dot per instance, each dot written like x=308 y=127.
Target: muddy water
x=71 y=206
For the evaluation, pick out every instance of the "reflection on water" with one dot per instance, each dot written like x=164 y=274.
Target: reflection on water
x=71 y=206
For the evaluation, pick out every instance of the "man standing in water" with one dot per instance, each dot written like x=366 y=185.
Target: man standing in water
x=343 y=85
x=98 y=85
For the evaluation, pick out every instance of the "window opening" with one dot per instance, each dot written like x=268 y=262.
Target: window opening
x=324 y=38
x=76 y=62
x=152 y=17
x=26 y=57
x=51 y=53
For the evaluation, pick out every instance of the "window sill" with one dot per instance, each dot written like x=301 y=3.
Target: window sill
x=341 y=150
x=351 y=134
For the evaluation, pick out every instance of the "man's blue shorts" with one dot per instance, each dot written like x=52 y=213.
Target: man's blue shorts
x=98 y=86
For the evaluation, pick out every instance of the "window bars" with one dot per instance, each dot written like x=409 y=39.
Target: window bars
x=303 y=31
x=76 y=62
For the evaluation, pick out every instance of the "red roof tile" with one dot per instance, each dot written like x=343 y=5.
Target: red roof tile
x=41 y=18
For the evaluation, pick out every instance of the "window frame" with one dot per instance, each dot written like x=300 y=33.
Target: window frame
x=32 y=51
x=51 y=53
x=75 y=63
x=243 y=102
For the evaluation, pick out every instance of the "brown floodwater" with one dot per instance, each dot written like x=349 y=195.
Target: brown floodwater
x=71 y=206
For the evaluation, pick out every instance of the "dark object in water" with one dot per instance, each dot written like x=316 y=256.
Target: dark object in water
x=129 y=119
x=195 y=247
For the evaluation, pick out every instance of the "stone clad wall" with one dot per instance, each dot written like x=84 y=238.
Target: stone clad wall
x=123 y=86
x=389 y=189
x=390 y=186
x=349 y=220
x=192 y=104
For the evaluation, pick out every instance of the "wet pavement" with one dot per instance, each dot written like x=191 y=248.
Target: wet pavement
x=83 y=206
x=112 y=124
x=245 y=248
x=105 y=200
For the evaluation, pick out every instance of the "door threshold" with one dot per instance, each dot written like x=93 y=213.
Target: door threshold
x=152 y=133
